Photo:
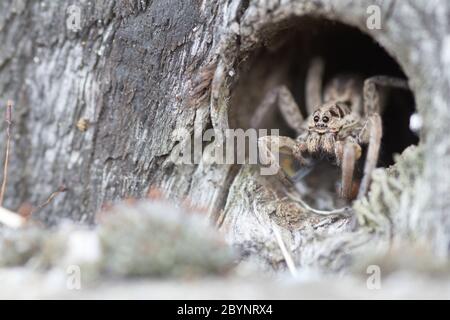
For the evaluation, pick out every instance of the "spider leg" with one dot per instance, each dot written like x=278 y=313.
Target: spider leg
x=372 y=131
x=372 y=103
x=283 y=99
x=347 y=153
x=269 y=149
x=375 y=130
x=264 y=108
x=313 y=88
x=348 y=168
x=290 y=110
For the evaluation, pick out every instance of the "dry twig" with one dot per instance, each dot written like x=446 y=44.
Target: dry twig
x=8 y=121
x=346 y=211
x=51 y=197
x=287 y=257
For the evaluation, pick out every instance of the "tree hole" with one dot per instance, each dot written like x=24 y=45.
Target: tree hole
x=284 y=58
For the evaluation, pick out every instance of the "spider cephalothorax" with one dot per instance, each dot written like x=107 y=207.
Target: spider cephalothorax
x=323 y=128
x=342 y=117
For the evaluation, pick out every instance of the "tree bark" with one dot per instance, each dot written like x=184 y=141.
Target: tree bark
x=139 y=72
x=127 y=72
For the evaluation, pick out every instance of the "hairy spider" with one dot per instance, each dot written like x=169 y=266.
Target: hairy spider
x=343 y=116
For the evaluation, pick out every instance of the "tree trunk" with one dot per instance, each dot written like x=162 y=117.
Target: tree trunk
x=140 y=72
x=127 y=72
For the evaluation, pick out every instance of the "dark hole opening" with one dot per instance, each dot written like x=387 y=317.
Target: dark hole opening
x=284 y=59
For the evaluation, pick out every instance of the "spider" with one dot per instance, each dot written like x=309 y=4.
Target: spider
x=343 y=117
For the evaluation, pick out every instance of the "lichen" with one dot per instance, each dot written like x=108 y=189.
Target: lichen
x=159 y=240
x=392 y=191
x=403 y=257
x=145 y=239
x=17 y=247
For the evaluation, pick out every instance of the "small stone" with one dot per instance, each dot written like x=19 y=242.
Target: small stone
x=415 y=122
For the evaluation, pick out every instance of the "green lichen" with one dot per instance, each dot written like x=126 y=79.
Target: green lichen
x=17 y=247
x=159 y=240
x=145 y=239
x=392 y=190
x=403 y=257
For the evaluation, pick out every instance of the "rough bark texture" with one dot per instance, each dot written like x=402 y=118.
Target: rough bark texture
x=130 y=72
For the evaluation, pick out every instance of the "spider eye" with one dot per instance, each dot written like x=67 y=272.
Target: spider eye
x=325 y=119
x=316 y=119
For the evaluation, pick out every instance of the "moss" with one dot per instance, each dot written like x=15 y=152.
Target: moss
x=392 y=190
x=155 y=239
x=145 y=239
x=17 y=247
x=404 y=257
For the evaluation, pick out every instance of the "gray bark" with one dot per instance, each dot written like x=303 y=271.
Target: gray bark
x=135 y=72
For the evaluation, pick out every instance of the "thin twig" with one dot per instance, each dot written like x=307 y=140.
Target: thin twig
x=50 y=198
x=8 y=121
x=287 y=257
x=343 y=211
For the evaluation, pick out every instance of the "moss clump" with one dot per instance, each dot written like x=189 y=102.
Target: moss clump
x=17 y=247
x=392 y=191
x=155 y=239
x=404 y=257
x=144 y=239
x=42 y=249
